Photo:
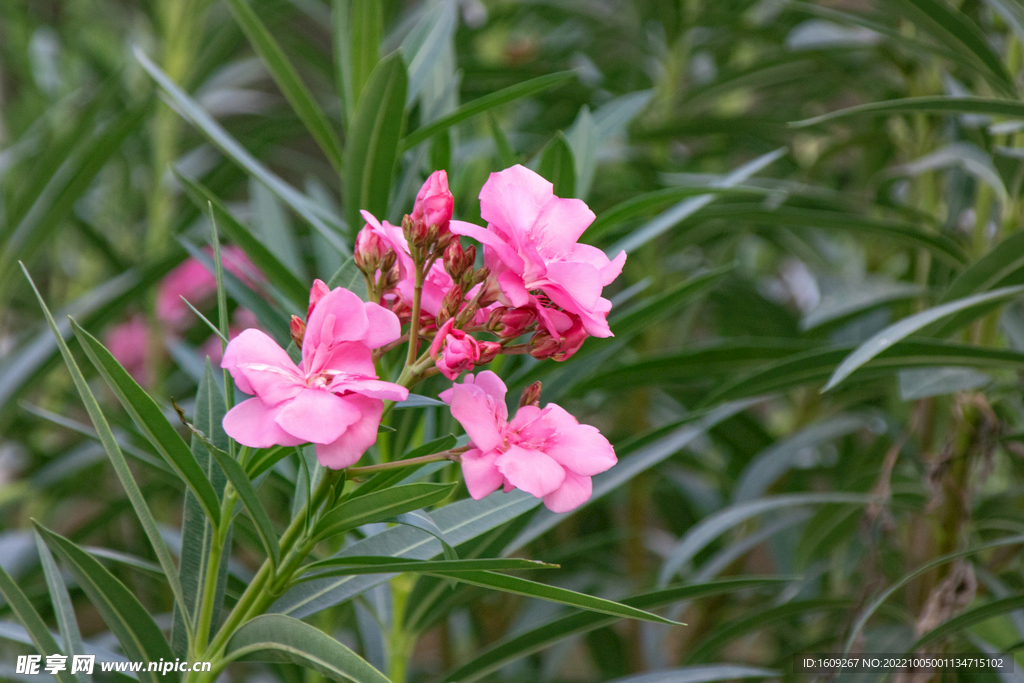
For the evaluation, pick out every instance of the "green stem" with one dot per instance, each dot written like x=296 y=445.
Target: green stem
x=422 y=460
x=206 y=605
x=414 y=325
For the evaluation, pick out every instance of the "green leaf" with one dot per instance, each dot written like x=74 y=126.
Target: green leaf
x=264 y=259
x=63 y=189
x=263 y=459
x=898 y=331
x=969 y=618
x=867 y=612
x=380 y=505
x=532 y=589
x=63 y=610
x=675 y=215
x=671 y=440
x=389 y=477
x=351 y=278
x=280 y=638
x=135 y=629
x=459 y=522
x=482 y=104
x=197 y=532
x=325 y=223
x=954 y=28
x=759 y=620
x=284 y=74
x=557 y=165
x=236 y=475
x=506 y=154
x=842 y=306
x=817 y=365
x=923 y=383
x=423 y=522
x=124 y=474
x=372 y=144
x=708 y=529
x=366 y=21
x=348 y=566
x=924 y=105
x=733 y=217
x=33 y=623
x=150 y=420
x=509 y=649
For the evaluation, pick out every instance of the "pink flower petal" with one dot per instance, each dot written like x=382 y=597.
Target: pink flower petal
x=251 y=423
x=480 y=415
x=530 y=470
x=490 y=240
x=559 y=225
x=349 y=357
x=317 y=415
x=371 y=387
x=573 y=492
x=338 y=317
x=350 y=446
x=512 y=199
x=383 y=326
x=579 y=448
x=514 y=289
x=259 y=366
x=482 y=477
x=581 y=281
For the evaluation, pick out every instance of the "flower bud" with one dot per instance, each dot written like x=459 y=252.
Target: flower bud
x=457 y=261
x=317 y=292
x=530 y=396
x=544 y=345
x=370 y=251
x=434 y=203
x=454 y=351
x=509 y=323
x=488 y=351
x=298 y=330
x=417 y=233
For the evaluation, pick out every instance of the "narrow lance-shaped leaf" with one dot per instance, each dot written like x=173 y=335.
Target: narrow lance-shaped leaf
x=264 y=259
x=295 y=91
x=280 y=638
x=327 y=225
x=30 y=619
x=348 y=566
x=236 y=475
x=926 y=105
x=135 y=629
x=116 y=457
x=150 y=420
x=380 y=505
x=372 y=144
x=482 y=104
x=63 y=610
x=906 y=327
x=969 y=618
x=509 y=649
x=557 y=165
x=520 y=586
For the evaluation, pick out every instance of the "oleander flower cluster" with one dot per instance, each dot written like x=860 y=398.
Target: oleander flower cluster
x=538 y=291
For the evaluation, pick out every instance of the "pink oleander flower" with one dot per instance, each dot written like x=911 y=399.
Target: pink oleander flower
x=242 y=320
x=543 y=451
x=530 y=245
x=195 y=283
x=454 y=351
x=434 y=202
x=332 y=398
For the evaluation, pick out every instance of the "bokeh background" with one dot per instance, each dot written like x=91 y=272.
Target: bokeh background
x=761 y=255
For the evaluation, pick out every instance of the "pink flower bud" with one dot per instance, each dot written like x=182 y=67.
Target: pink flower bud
x=509 y=323
x=454 y=351
x=458 y=262
x=370 y=250
x=298 y=330
x=488 y=350
x=544 y=345
x=317 y=292
x=434 y=202
x=530 y=396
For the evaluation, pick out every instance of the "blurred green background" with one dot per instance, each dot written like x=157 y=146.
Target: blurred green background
x=761 y=255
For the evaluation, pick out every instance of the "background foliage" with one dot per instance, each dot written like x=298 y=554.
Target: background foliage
x=765 y=261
